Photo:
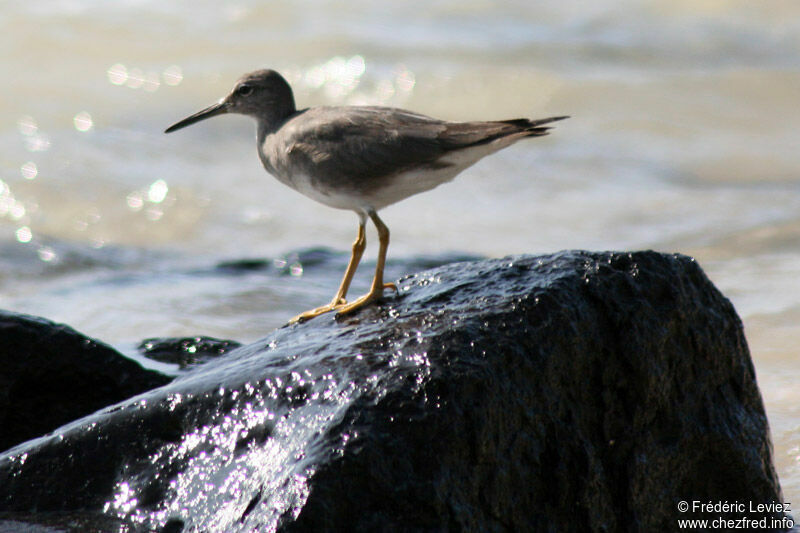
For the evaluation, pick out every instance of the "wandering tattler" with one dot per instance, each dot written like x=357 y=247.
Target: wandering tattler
x=361 y=158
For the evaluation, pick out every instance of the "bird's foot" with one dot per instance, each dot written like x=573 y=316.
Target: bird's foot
x=391 y=286
x=308 y=315
x=371 y=296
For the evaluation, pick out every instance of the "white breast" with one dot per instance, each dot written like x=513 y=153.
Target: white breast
x=302 y=183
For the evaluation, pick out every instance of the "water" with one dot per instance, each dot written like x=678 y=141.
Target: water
x=684 y=138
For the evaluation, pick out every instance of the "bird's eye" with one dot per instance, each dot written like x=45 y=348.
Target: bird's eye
x=244 y=90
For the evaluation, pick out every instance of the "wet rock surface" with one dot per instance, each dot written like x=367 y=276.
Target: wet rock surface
x=50 y=375
x=185 y=351
x=572 y=392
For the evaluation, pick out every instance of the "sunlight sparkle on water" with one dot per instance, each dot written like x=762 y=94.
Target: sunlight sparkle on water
x=158 y=191
x=37 y=143
x=29 y=170
x=135 y=200
x=46 y=254
x=404 y=79
x=172 y=75
x=153 y=214
x=338 y=76
x=10 y=206
x=34 y=140
x=151 y=82
x=117 y=74
x=16 y=211
x=27 y=125
x=83 y=121
x=24 y=234
x=123 y=499
x=136 y=78
x=342 y=79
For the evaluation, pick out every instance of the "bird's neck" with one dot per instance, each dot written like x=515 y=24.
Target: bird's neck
x=263 y=128
x=270 y=124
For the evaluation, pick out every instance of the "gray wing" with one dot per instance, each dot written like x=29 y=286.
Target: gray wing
x=360 y=144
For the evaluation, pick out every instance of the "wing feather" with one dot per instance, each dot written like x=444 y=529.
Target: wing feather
x=357 y=146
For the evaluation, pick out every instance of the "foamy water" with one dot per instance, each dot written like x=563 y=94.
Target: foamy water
x=684 y=137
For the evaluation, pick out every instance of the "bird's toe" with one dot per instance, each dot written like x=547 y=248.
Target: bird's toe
x=308 y=315
x=391 y=286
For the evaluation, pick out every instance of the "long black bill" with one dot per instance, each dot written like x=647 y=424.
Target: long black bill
x=211 y=111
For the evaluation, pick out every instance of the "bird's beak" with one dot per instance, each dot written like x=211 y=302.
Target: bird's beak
x=219 y=108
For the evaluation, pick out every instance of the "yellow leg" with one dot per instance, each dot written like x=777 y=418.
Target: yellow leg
x=378 y=286
x=358 y=250
x=355 y=258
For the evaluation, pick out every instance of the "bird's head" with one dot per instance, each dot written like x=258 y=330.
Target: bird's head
x=263 y=94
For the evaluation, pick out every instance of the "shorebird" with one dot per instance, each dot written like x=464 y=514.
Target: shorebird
x=360 y=158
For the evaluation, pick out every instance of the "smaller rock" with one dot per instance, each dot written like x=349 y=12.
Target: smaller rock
x=50 y=375
x=185 y=351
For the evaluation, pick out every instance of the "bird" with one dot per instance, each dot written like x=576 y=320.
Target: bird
x=359 y=158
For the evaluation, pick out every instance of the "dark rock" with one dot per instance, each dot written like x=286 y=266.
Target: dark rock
x=185 y=351
x=306 y=258
x=50 y=374
x=239 y=266
x=72 y=522
x=573 y=392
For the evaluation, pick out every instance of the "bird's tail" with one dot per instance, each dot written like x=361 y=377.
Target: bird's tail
x=533 y=128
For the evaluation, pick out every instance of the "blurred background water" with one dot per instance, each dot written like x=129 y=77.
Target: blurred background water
x=685 y=137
